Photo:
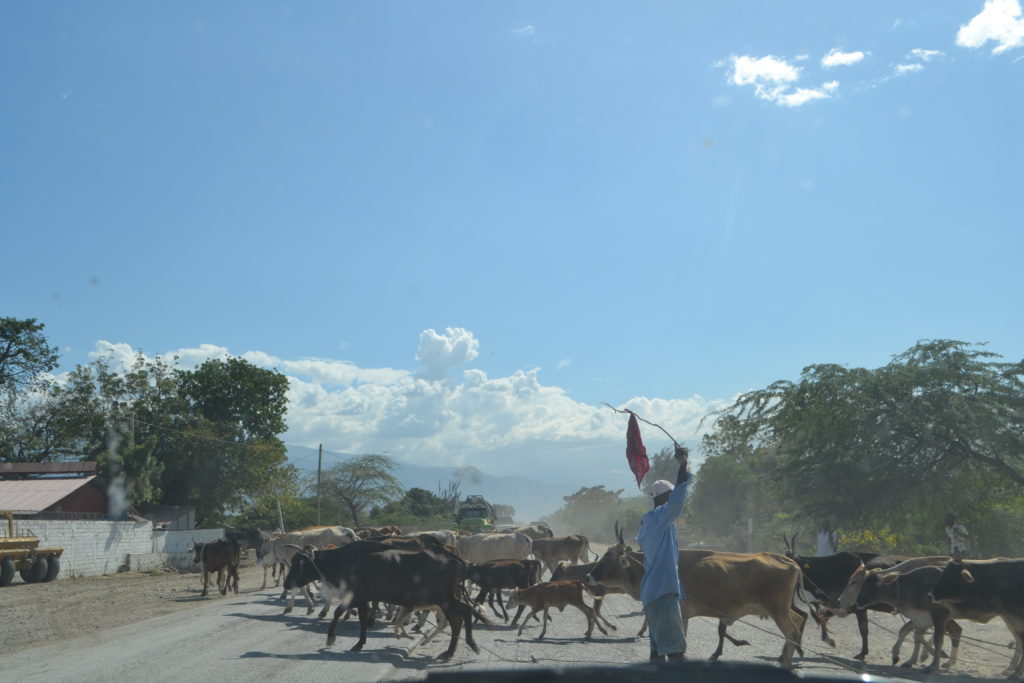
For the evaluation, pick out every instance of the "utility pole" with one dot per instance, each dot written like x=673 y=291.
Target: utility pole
x=319 y=468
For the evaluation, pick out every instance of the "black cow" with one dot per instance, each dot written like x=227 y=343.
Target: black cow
x=497 y=574
x=981 y=590
x=362 y=572
x=219 y=556
x=825 y=577
x=909 y=592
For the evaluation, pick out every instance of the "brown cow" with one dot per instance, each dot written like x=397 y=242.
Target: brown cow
x=724 y=586
x=572 y=549
x=543 y=596
x=219 y=556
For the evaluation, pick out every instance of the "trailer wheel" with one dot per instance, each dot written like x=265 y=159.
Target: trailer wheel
x=52 y=567
x=6 y=571
x=35 y=572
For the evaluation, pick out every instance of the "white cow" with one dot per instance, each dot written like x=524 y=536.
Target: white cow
x=282 y=548
x=480 y=548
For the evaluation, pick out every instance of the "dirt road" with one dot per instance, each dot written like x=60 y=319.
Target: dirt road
x=91 y=629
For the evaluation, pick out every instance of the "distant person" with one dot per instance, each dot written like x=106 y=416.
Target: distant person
x=660 y=589
x=828 y=539
x=959 y=539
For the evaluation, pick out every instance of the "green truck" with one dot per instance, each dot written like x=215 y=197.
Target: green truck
x=475 y=515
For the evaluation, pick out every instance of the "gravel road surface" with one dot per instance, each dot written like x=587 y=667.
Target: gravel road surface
x=157 y=628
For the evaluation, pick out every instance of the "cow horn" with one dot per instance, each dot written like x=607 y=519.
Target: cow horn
x=618 y=533
x=792 y=544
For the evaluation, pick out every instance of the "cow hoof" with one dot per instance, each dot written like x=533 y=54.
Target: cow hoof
x=309 y=610
x=860 y=656
x=287 y=610
x=445 y=656
x=907 y=664
x=830 y=642
x=330 y=640
x=357 y=647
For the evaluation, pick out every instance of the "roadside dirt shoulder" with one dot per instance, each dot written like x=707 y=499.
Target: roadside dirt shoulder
x=43 y=613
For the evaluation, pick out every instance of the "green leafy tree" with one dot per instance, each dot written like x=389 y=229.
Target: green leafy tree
x=24 y=353
x=663 y=466
x=940 y=426
x=591 y=511
x=90 y=415
x=25 y=358
x=352 y=488
x=225 y=445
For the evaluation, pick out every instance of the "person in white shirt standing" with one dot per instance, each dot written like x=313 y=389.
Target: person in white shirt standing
x=959 y=539
x=828 y=540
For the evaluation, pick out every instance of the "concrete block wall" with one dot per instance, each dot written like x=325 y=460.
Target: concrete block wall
x=91 y=547
x=95 y=547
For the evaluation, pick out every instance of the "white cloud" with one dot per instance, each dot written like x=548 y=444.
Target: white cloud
x=439 y=354
x=999 y=21
x=837 y=58
x=564 y=363
x=903 y=69
x=765 y=72
x=514 y=424
x=529 y=31
x=925 y=55
x=773 y=79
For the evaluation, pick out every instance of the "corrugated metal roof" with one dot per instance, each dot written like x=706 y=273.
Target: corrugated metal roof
x=35 y=495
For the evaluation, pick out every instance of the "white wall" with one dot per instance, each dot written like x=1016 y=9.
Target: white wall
x=94 y=547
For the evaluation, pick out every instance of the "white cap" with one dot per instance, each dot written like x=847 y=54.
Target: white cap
x=659 y=487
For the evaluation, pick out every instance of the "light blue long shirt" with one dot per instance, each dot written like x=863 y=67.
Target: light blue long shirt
x=657 y=538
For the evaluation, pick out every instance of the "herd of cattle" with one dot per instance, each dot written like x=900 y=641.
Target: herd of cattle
x=359 y=570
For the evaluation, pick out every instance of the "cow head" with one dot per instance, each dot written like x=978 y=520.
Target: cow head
x=302 y=569
x=197 y=548
x=618 y=567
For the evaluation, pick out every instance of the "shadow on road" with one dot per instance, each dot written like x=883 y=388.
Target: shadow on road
x=392 y=656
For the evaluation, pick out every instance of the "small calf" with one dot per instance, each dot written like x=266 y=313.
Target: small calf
x=543 y=596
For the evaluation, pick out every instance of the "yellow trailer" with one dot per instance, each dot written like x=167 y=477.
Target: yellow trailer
x=23 y=554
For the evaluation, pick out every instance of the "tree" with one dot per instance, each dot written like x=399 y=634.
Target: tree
x=663 y=466
x=235 y=392
x=24 y=353
x=357 y=485
x=204 y=437
x=225 y=445
x=872 y=446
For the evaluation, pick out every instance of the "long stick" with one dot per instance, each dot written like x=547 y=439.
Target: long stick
x=627 y=410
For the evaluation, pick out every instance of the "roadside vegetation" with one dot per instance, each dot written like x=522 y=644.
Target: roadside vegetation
x=882 y=453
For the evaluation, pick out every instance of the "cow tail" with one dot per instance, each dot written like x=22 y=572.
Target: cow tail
x=596 y=556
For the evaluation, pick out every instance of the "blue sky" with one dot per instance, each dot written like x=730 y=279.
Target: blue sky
x=459 y=227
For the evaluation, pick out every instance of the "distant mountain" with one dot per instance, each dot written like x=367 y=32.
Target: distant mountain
x=530 y=497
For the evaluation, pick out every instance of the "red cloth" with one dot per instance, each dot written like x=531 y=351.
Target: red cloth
x=636 y=453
